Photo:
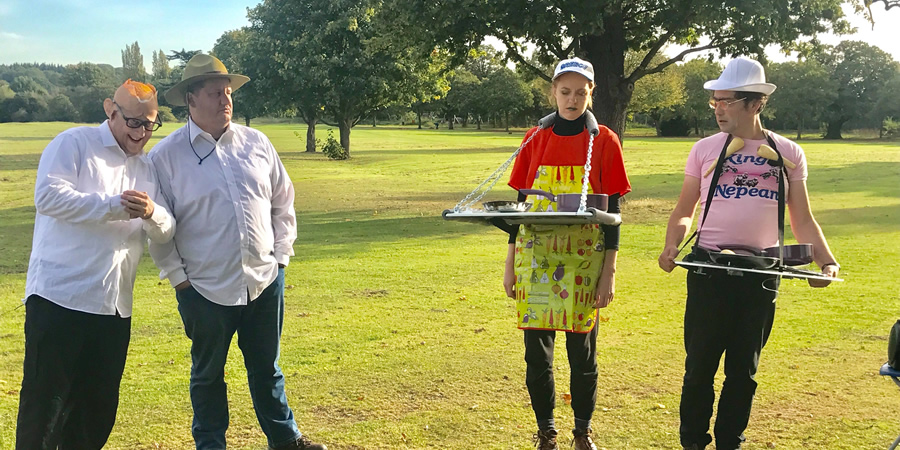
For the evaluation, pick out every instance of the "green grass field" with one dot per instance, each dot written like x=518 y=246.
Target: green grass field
x=397 y=333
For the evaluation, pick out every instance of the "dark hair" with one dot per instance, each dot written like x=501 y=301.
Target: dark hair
x=193 y=88
x=751 y=97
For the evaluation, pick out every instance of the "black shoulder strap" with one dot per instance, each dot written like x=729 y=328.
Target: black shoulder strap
x=779 y=166
x=711 y=192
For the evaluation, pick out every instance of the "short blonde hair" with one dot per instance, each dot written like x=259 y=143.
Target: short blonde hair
x=552 y=98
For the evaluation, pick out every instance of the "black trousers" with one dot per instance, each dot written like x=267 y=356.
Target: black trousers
x=582 y=352
x=731 y=315
x=73 y=366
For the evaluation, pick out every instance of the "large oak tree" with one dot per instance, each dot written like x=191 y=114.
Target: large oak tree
x=603 y=32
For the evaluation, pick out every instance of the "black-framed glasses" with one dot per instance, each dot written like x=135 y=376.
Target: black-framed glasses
x=723 y=102
x=132 y=122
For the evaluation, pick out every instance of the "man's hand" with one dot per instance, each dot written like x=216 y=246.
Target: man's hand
x=183 y=285
x=667 y=258
x=830 y=270
x=138 y=204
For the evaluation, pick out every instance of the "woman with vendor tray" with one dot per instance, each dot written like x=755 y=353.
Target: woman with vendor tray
x=560 y=274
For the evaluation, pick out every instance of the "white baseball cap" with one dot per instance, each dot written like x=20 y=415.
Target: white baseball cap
x=741 y=74
x=576 y=65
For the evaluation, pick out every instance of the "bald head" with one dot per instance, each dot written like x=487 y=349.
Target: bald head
x=135 y=99
x=132 y=100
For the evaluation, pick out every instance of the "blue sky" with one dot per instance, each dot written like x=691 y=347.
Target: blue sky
x=71 y=31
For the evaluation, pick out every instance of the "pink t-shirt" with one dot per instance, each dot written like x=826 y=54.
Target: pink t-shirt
x=745 y=205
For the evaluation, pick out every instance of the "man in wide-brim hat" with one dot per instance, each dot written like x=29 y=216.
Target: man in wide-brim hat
x=727 y=313
x=200 y=68
x=235 y=201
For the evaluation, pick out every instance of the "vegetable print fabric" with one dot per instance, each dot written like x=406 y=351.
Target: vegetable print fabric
x=557 y=266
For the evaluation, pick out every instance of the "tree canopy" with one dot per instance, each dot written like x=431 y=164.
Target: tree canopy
x=604 y=31
x=329 y=57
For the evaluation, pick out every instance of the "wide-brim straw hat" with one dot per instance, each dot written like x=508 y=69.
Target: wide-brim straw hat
x=742 y=74
x=202 y=67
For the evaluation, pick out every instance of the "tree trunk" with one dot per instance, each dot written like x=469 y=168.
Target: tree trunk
x=419 y=116
x=506 y=116
x=311 y=135
x=344 y=126
x=374 y=120
x=612 y=92
x=450 y=123
x=478 y=122
x=247 y=120
x=799 y=129
x=833 y=129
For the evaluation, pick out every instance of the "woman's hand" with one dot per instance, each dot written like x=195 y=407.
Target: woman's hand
x=509 y=272
x=509 y=281
x=606 y=289
x=606 y=283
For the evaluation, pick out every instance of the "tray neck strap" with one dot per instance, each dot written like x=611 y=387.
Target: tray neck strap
x=711 y=192
x=781 y=200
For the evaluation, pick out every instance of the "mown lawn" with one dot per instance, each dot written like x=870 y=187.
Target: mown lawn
x=397 y=334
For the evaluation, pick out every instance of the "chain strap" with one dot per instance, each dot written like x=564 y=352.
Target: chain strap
x=587 y=172
x=466 y=203
x=546 y=122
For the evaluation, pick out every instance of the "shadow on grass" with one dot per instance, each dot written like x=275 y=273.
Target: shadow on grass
x=22 y=161
x=449 y=151
x=322 y=235
x=871 y=218
x=47 y=138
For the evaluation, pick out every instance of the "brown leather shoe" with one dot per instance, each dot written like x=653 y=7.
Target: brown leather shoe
x=582 y=440
x=302 y=443
x=545 y=440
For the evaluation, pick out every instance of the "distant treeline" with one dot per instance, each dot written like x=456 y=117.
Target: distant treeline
x=851 y=85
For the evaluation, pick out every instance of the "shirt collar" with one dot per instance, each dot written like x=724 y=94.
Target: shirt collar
x=197 y=131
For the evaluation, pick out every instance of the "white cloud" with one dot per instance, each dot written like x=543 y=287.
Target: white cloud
x=9 y=35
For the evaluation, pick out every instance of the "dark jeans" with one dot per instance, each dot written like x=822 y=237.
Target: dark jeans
x=211 y=327
x=582 y=352
x=724 y=314
x=70 y=387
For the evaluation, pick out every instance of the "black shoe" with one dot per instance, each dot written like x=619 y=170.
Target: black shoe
x=302 y=443
x=545 y=440
x=582 y=440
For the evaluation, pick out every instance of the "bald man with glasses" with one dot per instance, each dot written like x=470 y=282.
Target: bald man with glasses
x=94 y=196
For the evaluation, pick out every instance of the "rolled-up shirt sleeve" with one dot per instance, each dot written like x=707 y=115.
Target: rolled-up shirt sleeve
x=55 y=190
x=284 y=218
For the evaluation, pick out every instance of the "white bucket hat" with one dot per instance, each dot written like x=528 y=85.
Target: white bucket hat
x=576 y=65
x=741 y=74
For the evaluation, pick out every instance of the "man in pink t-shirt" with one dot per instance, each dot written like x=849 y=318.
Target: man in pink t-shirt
x=727 y=313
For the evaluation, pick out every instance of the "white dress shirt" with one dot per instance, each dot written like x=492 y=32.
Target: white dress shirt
x=235 y=212
x=86 y=248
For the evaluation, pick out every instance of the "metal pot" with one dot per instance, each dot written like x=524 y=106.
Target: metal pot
x=506 y=206
x=571 y=202
x=794 y=255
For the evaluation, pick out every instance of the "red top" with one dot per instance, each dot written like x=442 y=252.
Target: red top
x=550 y=149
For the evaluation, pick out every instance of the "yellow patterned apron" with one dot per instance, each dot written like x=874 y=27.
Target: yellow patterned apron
x=557 y=266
